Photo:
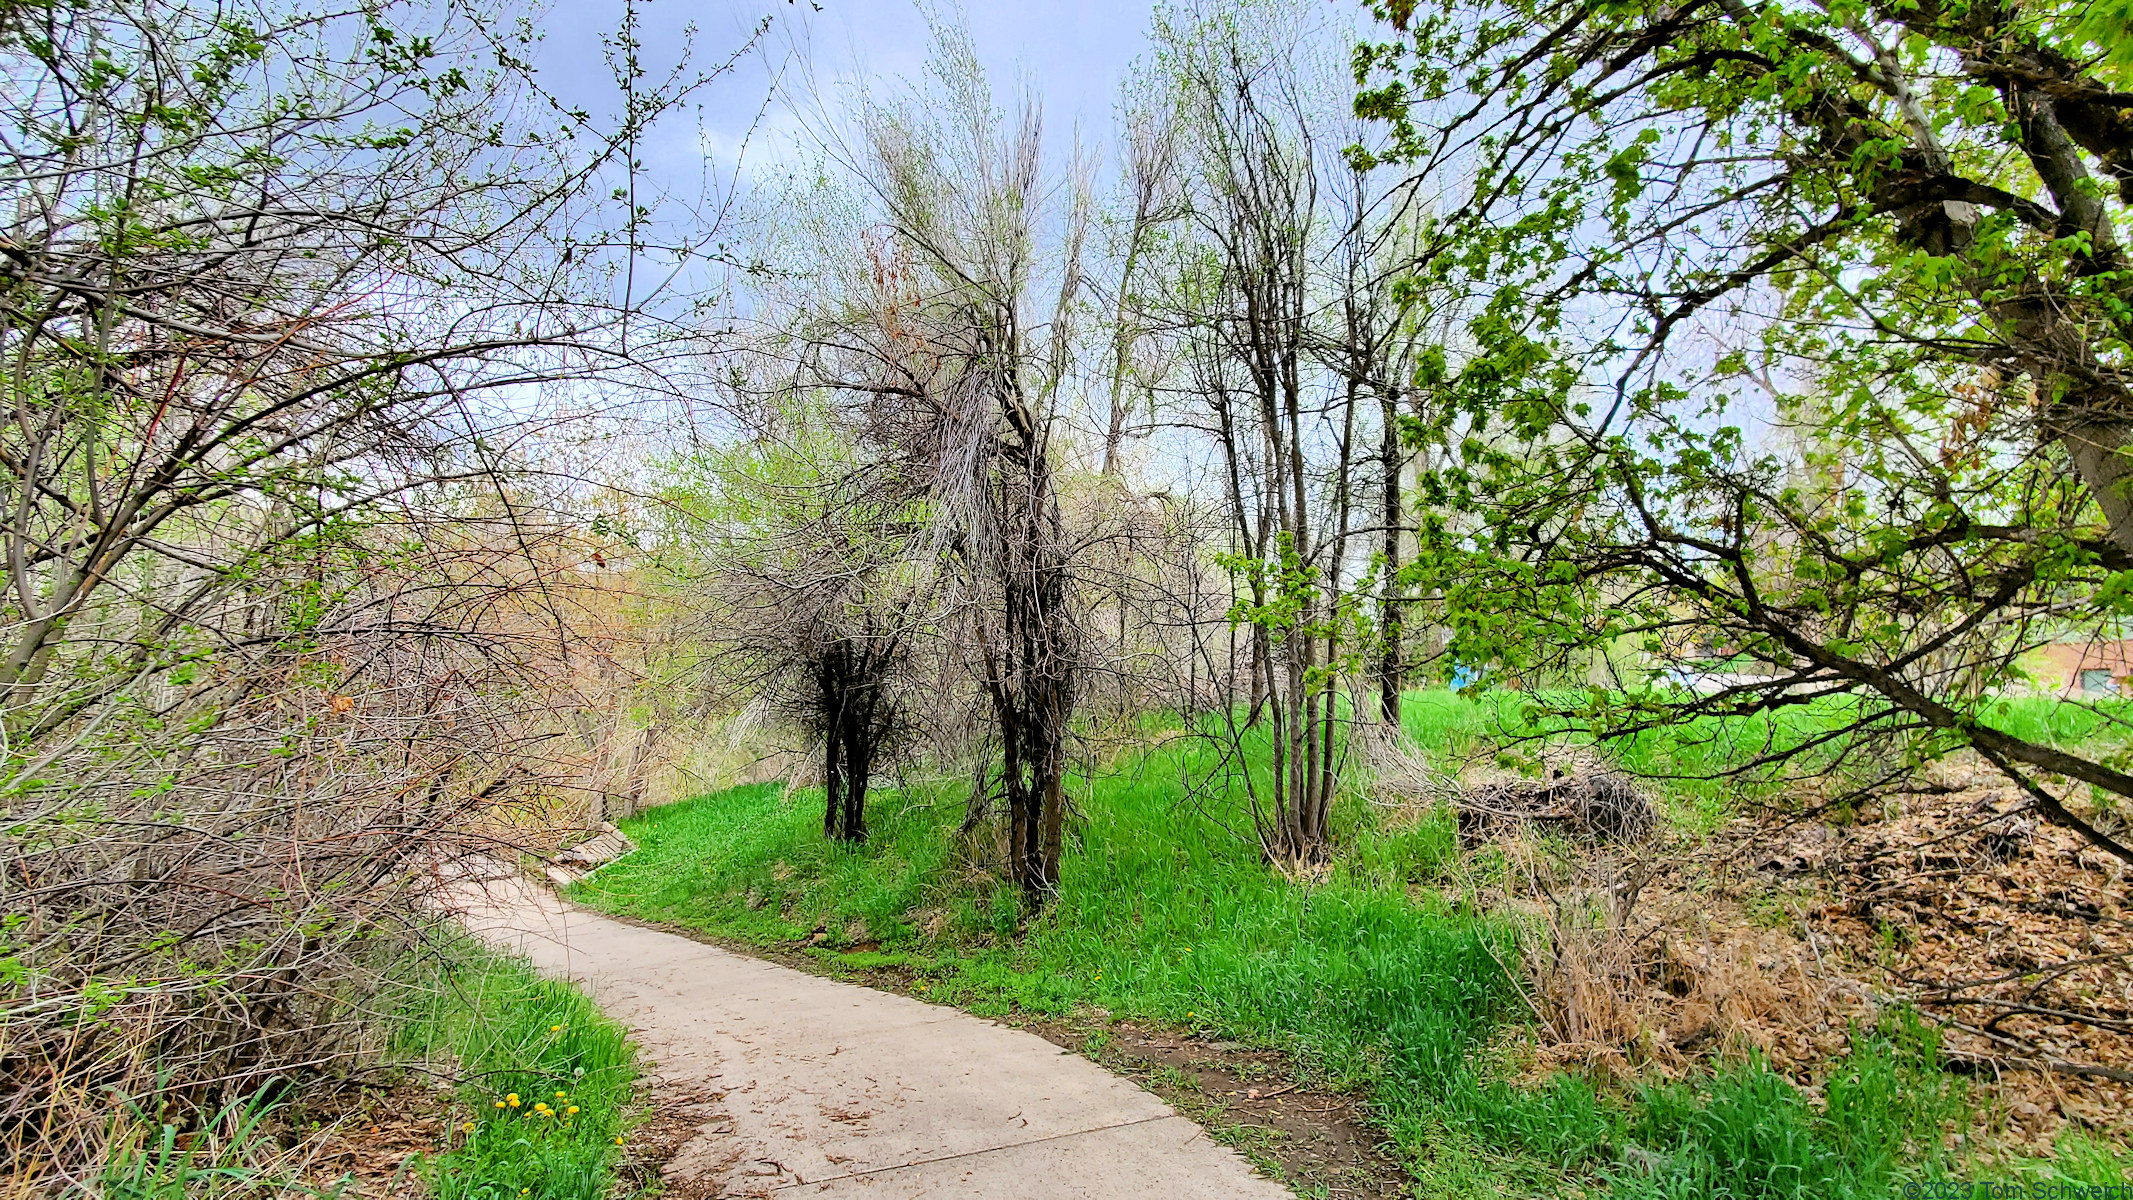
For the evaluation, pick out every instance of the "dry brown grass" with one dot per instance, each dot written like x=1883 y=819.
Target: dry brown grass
x=1780 y=939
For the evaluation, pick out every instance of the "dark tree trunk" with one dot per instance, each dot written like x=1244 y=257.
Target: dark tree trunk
x=859 y=767
x=1390 y=668
x=833 y=783
x=852 y=729
x=1030 y=676
x=1259 y=669
x=1034 y=735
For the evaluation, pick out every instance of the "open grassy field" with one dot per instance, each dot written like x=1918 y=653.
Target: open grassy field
x=1370 y=977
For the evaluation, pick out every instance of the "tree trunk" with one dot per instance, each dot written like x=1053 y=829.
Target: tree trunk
x=1192 y=654
x=1035 y=731
x=1390 y=668
x=1259 y=669
x=832 y=782
x=2102 y=452
x=1030 y=676
x=858 y=768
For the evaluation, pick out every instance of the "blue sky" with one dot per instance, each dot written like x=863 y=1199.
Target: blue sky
x=1072 y=55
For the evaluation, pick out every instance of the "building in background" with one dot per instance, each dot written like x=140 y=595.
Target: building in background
x=2077 y=670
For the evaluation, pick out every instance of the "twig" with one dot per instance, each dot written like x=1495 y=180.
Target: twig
x=2054 y=969
x=1520 y=988
x=2034 y=1061
x=2054 y=1013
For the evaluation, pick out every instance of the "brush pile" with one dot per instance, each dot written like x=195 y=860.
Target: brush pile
x=1595 y=805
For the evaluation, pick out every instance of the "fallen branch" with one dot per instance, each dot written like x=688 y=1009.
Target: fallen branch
x=2033 y=1060
x=2053 y=1013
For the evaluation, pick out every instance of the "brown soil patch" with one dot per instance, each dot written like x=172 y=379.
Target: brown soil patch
x=659 y=1156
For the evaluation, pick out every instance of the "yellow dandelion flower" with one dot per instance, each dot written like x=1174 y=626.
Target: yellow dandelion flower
x=561 y=1095
x=467 y=1128
x=499 y=1104
x=512 y=1099
x=572 y=1110
x=555 y=1029
x=618 y=1139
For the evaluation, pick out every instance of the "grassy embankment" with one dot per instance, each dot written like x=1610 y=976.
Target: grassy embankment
x=1369 y=977
x=541 y=1110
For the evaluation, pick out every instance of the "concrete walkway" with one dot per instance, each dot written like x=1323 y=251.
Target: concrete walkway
x=820 y=1088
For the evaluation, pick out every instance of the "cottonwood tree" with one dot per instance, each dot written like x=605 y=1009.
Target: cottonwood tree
x=1898 y=230
x=836 y=644
x=272 y=589
x=953 y=339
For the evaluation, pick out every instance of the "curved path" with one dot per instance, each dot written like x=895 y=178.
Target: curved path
x=821 y=1088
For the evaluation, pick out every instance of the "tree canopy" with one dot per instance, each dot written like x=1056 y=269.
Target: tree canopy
x=1802 y=343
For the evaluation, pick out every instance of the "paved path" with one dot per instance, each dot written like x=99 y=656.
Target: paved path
x=835 y=1090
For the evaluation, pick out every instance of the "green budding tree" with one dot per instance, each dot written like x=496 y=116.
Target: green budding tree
x=1802 y=339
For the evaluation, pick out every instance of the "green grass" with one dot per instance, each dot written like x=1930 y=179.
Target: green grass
x=229 y=1153
x=1695 y=759
x=484 y=1017
x=1167 y=914
x=1747 y=1133
x=545 y=1080
x=2081 y=1157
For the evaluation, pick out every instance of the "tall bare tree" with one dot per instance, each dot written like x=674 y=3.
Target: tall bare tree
x=955 y=341
x=816 y=604
x=1384 y=342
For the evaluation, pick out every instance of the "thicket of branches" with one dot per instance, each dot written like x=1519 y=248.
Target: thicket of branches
x=1568 y=380
x=1012 y=359
x=285 y=615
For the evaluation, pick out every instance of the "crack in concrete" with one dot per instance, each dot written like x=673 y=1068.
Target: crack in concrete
x=927 y=1162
